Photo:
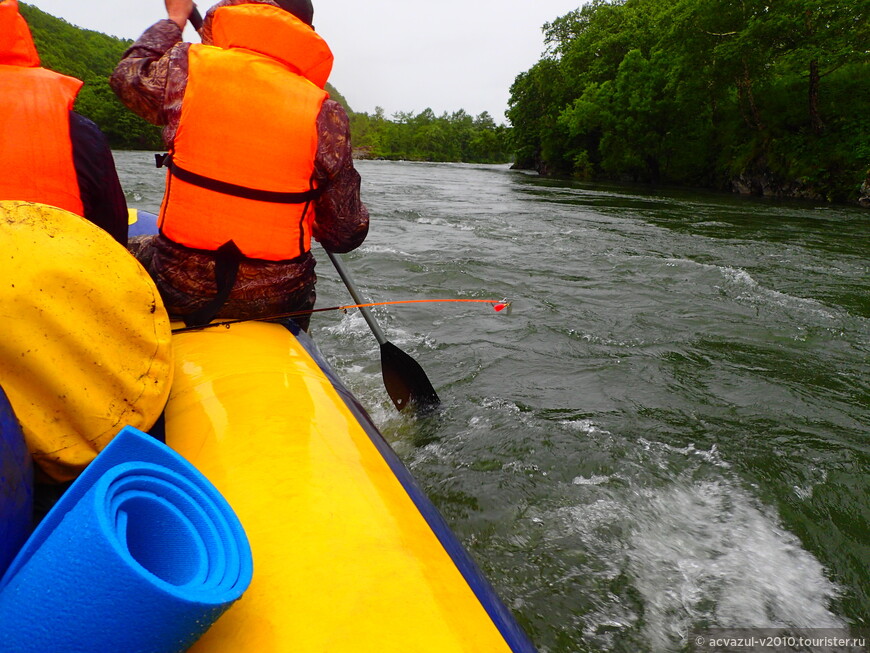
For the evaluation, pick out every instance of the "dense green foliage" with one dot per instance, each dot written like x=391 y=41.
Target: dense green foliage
x=769 y=95
x=427 y=137
x=90 y=56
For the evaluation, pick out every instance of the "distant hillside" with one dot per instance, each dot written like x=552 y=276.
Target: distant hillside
x=91 y=56
x=338 y=97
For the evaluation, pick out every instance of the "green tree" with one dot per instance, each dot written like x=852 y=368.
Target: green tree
x=701 y=92
x=427 y=137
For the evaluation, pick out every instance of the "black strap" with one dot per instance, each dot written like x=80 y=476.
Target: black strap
x=226 y=268
x=227 y=188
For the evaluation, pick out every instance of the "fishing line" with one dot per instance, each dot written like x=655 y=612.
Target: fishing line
x=497 y=305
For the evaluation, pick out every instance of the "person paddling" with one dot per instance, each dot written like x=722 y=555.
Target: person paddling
x=48 y=153
x=259 y=158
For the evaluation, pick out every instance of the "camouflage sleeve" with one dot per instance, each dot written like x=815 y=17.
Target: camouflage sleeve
x=342 y=220
x=152 y=74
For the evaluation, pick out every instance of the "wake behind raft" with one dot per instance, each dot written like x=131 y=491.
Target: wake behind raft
x=348 y=553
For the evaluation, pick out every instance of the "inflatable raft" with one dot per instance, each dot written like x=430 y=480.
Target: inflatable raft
x=349 y=555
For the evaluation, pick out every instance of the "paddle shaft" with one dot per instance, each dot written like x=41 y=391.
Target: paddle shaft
x=195 y=19
x=351 y=288
x=404 y=379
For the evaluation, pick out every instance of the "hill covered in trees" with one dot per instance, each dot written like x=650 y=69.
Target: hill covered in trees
x=763 y=97
x=91 y=56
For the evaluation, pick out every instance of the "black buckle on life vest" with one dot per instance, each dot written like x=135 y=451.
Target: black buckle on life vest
x=163 y=159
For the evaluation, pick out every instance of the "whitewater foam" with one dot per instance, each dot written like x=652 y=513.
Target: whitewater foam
x=707 y=553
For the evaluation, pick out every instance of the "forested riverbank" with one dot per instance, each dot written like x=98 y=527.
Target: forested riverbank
x=454 y=137
x=755 y=97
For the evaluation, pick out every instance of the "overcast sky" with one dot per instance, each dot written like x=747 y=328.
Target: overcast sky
x=402 y=55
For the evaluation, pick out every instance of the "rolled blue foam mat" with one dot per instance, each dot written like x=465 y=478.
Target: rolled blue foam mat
x=141 y=554
x=16 y=485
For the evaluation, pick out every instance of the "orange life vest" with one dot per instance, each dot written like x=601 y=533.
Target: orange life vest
x=36 y=157
x=242 y=162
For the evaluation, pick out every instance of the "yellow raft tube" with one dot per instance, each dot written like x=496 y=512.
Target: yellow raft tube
x=349 y=555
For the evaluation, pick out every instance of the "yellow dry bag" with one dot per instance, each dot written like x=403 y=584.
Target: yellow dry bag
x=84 y=338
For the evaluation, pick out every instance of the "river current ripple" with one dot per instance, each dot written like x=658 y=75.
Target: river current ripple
x=670 y=428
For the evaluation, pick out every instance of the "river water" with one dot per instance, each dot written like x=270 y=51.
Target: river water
x=670 y=428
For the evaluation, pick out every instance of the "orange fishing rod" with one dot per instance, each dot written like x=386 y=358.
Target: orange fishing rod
x=497 y=305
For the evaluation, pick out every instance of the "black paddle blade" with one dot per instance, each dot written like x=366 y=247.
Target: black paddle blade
x=405 y=380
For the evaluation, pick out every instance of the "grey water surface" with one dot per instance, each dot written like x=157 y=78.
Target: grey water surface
x=668 y=431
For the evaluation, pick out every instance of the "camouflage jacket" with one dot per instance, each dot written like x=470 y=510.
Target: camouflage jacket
x=151 y=79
